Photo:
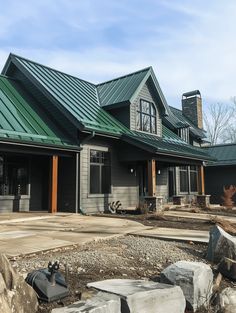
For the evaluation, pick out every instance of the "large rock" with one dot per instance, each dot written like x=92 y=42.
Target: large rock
x=221 y=244
x=228 y=300
x=194 y=278
x=143 y=296
x=16 y=296
x=101 y=303
x=227 y=267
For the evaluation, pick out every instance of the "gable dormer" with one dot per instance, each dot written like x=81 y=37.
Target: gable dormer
x=136 y=100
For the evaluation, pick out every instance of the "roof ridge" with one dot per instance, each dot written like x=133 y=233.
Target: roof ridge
x=123 y=76
x=53 y=69
x=171 y=107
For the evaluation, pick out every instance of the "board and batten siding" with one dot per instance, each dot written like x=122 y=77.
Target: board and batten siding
x=124 y=185
x=145 y=94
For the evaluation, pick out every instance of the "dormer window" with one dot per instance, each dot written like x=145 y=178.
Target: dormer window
x=146 y=117
x=184 y=133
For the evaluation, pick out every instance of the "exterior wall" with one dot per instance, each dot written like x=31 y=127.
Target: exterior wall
x=162 y=186
x=122 y=114
x=124 y=184
x=145 y=94
x=216 y=178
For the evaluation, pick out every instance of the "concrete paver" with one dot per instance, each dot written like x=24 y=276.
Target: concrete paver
x=200 y=216
x=44 y=232
x=175 y=234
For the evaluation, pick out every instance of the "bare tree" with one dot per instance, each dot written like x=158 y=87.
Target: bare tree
x=218 y=120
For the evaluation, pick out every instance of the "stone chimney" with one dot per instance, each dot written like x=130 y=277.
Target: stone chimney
x=192 y=107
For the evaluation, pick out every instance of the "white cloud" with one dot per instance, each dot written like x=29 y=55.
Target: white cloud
x=191 y=45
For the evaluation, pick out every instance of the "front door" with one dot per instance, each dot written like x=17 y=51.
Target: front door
x=142 y=179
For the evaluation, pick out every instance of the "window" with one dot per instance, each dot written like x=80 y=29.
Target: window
x=100 y=172
x=183 y=173
x=13 y=175
x=193 y=178
x=184 y=133
x=146 y=117
x=188 y=178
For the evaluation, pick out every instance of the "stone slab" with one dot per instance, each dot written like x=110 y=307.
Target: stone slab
x=143 y=296
x=100 y=303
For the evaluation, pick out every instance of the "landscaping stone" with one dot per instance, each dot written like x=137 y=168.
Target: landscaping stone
x=195 y=280
x=227 y=267
x=16 y=296
x=143 y=296
x=221 y=244
x=100 y=303
x=228 y=300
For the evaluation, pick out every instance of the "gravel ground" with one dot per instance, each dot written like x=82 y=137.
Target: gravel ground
x=122 y=257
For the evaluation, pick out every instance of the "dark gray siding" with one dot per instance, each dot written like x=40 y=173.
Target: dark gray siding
x=215 y=180
x=145 y=94
x=124 y=185
x=122 y=114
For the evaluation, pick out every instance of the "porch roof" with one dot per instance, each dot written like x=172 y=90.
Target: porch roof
x=19 y=122
x=225 y=154
x=170 y=144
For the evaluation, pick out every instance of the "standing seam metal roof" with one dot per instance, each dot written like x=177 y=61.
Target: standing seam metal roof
x=20 y=122
x=224 y=154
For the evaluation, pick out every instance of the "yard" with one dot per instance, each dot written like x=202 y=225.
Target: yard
x=121 y=257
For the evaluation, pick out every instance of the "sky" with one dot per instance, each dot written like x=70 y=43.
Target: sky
x=190 y=44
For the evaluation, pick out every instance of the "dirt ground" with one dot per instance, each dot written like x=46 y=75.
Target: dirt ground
x=123 y=257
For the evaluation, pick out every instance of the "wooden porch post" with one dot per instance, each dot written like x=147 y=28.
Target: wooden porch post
x=152 y=178
x=201 y=180
x=54 y=184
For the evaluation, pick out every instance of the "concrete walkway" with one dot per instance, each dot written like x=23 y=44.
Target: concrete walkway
x=175 y=234
x=26 y=234
x=200 y=216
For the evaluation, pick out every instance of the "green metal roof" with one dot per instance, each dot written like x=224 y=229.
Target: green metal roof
x=169 y=144
x=73 y=95
x=121 y=89
x=80 y=99
x=224 y=154
x=126 y=88
x=20 y=122
x=183 y=119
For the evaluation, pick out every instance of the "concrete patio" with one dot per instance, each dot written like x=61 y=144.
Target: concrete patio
x=26 y=233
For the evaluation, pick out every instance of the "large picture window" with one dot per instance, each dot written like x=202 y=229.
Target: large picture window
x=14 y=175
x=100 y=172
x=146 y=117
x=188 y=178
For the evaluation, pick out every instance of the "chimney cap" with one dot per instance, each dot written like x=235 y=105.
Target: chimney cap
x=191 y=94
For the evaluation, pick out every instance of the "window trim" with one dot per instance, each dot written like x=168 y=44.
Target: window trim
x=99 y=195
x=189 y=191
x=150 y=115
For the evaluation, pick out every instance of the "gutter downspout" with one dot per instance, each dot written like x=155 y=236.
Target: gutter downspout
x=77 y=179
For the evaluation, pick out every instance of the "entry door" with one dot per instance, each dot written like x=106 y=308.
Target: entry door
x=142 y=179
x=171 y=178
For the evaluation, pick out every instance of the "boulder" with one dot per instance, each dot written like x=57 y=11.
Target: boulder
x=100 y=303
x=143 y=296
x=228 y=300
x=194 y=278
x=16 y=296
x=227 y=268
x=221 y=244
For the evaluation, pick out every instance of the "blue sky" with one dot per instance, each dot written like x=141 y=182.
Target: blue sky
x=190 y=44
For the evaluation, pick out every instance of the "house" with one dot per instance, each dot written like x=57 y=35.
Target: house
x=221 y=173
x=70 y=145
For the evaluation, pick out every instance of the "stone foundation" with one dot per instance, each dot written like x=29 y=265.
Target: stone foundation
x=179 y=200
x=203 y=201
